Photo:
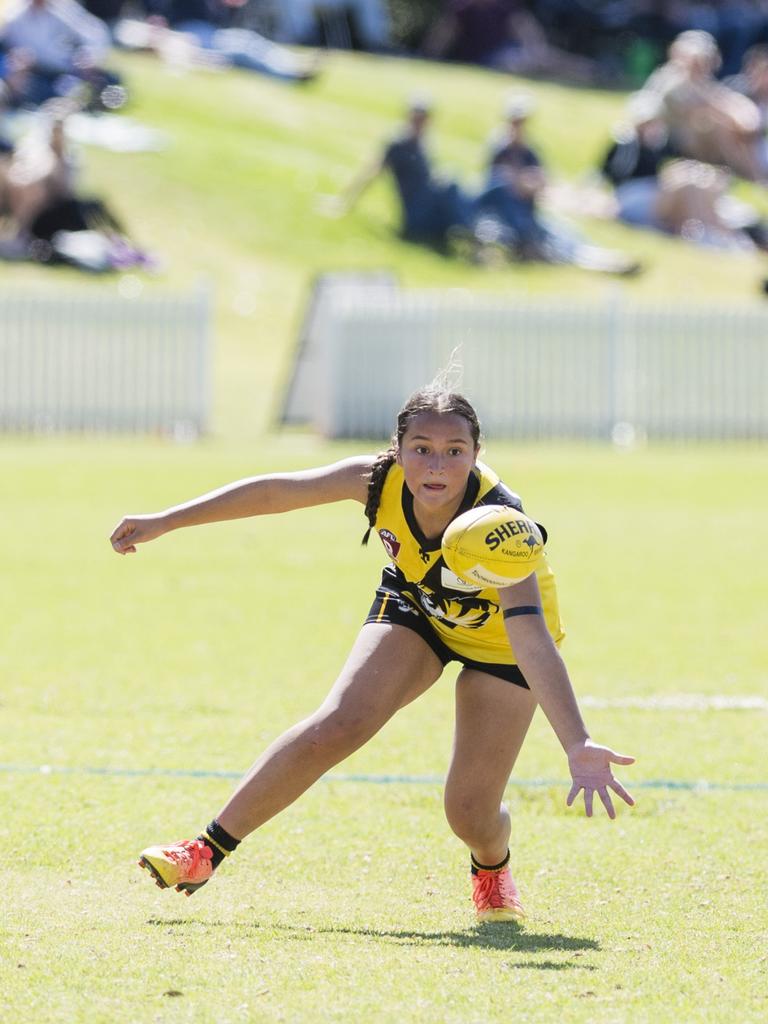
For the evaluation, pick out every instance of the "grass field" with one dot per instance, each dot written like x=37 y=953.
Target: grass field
x=353 y=905
x=116 y=673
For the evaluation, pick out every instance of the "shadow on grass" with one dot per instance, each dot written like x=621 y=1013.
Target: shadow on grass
x=500 y=935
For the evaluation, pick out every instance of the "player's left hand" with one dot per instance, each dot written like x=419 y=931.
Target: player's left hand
x=590 y=766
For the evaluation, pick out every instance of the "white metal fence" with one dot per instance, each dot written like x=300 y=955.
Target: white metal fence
x=540 y=369
x=97 y=361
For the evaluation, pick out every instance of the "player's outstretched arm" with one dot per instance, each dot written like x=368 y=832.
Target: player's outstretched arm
x=254 y=496
x=547 y=676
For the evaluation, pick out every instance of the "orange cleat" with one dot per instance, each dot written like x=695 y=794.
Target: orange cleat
x=185 y=865
x=495 y=896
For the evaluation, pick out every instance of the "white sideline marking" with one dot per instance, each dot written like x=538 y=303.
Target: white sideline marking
x=696 y=786
x=679 y=702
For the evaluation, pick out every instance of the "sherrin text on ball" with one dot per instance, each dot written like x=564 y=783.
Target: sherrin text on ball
x=493 y=546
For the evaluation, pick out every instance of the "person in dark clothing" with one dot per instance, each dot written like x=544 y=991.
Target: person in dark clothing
x=634 y=160
x=501 y=218
x=510 y=201
x=514 y=180
x=431 y=208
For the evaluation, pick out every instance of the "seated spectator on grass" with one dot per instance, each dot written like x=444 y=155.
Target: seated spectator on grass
x=56 y=48
x=502 y=34
x=705 y=119
x=515 y=179
x=431 y=208
x=654 y=189
x=212 y=25
x=47 y=221
x=752 y=82
x=634 y=160
x=502 y=219
x=37 y=173
x=515 y=184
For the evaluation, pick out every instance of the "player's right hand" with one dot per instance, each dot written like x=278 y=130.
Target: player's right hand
x=135 y=530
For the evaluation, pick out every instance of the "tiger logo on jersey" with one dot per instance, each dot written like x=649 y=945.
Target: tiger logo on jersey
x=446 y=597
x=471 y=612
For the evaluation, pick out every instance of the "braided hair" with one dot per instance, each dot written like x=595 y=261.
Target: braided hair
x=434 y=397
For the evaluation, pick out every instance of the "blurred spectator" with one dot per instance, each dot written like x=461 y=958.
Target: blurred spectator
x=510 y=201
x=502 y=219
x=515 y=181
x=343 y=24
x=502 y=34
x=656 y=190
x=735 y=24
x=47 y=221
x=752 y=81
x=55 y=48
x=212 y=25
x=611 y=41
x=36 y=174
x=634 y=160
x=706 y=120
x=431 y=209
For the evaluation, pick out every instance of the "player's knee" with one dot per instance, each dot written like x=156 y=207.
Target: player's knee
x=473 y=819
x=461 y=813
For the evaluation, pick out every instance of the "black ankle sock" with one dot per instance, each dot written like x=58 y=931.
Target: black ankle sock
x=477 y=866
x=219 y=840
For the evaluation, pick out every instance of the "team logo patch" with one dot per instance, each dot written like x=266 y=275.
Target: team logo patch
x=390 y=542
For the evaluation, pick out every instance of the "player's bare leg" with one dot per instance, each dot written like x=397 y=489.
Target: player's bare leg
x=388 y=667
x=492 y=719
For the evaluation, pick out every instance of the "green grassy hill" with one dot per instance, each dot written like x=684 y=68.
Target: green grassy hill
x=231 y=201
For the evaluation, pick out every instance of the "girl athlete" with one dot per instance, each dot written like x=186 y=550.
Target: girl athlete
x=422 y=617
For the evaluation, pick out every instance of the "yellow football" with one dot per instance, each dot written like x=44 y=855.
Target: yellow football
x=493 y=546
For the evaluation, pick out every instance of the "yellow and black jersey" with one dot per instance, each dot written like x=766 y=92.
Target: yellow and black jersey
x=467 y=619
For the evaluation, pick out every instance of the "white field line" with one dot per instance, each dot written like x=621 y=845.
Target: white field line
x=679 y=702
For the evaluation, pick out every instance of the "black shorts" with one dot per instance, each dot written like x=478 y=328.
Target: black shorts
x=394 y=605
